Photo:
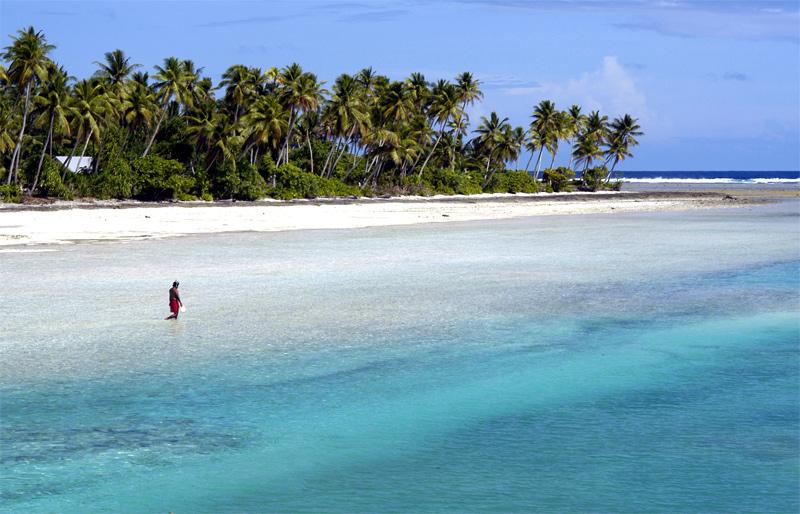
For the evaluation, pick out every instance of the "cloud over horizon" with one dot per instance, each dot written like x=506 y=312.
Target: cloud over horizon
x=610 y=89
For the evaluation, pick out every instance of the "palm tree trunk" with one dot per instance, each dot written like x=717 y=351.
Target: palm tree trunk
x=158 y=126
x=538 y=163
x=488 y=175
x=441 y=133
x=83 y=152
x=458 y=133
x=344 y=149
x=356 y=162
x=571 y=152
x=96 y=163
x=69 y=159
x=44 y=150
x=367 y=172
x=553 y=160
x=18 y=148
x=528 y=165
x=284 y=154
x=310 y=151
x=334 y=146
x=610 y=173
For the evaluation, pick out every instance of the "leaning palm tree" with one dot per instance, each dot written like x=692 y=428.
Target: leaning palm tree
x=137 y=107
x=54 y=109
x=445 y=105
x=622 y=136
x=91 y=106
x=344 y=116
x=171 y=83
x=586 y=151
x=28 y=57
x=562 y=130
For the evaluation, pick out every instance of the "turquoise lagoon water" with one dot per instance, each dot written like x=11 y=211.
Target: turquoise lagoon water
x=620 y=363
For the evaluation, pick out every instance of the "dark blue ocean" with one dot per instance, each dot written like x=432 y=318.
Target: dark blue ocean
x=639 y=362
x=710 y=179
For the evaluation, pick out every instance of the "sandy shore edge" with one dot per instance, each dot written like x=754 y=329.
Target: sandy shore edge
x=74 y=222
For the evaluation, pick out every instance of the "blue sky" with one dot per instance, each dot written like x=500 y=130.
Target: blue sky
x=715 y=84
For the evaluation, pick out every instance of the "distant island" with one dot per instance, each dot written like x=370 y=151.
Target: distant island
x=280 y=133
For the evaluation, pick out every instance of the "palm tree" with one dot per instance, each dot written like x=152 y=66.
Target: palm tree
x=444 y=106
x=137 y=107
x=28 y=57
x=622 y=137
x=7 y=127
x=586 y=151
x=54 y=110
x=344 y=116
x=141 y=77
x=264 y=125
x=237 y=82
x=543 y=130
x=517 y=136
x=299 y=92
x=418 y=90
x=469 y=92
x=199 y=89
x=596 y=127
x=172 y=82
x=396 y=103
x=91 y=106
x=575 y=124
x=367 y=78
x=491 y=134
x=115 y=68
x=562 y=129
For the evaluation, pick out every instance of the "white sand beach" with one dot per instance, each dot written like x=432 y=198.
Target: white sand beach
x=70 y=223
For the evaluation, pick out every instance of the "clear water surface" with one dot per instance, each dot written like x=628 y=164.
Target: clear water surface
x=614 y=363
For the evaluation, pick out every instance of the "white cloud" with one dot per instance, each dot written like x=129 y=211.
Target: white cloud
x=611 y=90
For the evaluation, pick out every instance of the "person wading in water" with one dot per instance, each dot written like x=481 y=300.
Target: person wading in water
x=175 y=302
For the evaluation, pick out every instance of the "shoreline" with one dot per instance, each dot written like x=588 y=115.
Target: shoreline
x=84 y=222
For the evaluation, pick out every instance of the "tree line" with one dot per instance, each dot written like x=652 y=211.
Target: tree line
x=174 y=134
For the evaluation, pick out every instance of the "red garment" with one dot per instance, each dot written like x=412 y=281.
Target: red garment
x=174 y=306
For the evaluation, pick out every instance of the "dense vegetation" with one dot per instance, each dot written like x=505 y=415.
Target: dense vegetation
x=176 y=135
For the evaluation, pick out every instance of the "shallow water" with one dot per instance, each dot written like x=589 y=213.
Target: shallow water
x=637 y=362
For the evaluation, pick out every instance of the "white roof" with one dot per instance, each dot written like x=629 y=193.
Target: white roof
x=78 y=163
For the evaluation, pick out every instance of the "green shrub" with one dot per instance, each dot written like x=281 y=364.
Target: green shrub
x=50 y=183
x=252 y=186
x=159 y=179
x=115 y=180
x=593 y=178
x=446 y=181
x=558 y=179
x=10 y=193
x=292 y=182
x=512 y=182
